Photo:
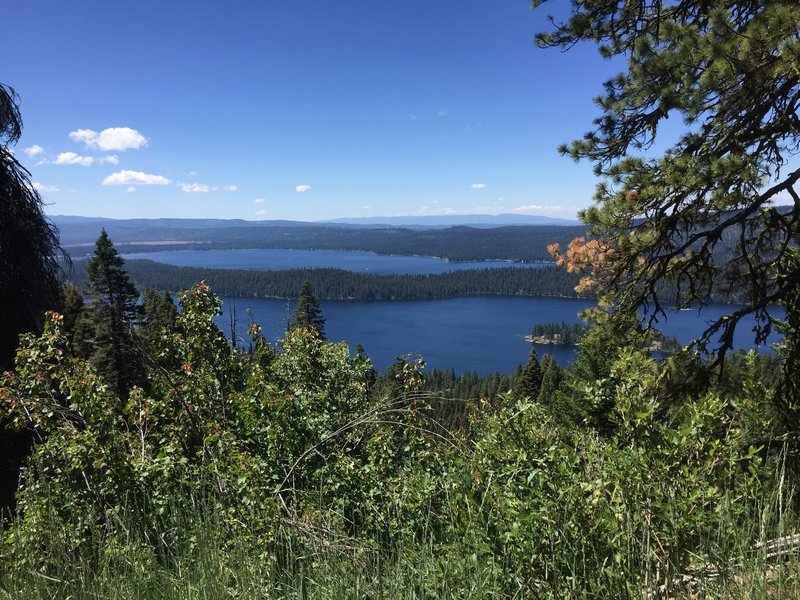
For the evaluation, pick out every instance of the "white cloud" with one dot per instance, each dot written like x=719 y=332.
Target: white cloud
x=426 y=210
x=111 y=159
x=41 y=187
x=135 y=178
x=259 y=200
x=478 y=186
x=113 y=138
x=231 y=188
x=192 y=174
x=34 y=150
x=302 y=188
x=70 y=158
x=261 y=213
x=194 y=188
x=365 y=207
x=530 y=209
x=131 y=189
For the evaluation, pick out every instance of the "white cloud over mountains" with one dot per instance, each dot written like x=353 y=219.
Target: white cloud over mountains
x=111 y=139
x=130 y=178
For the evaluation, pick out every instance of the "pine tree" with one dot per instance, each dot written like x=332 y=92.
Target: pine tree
x=29 y=276
x=308 y=312
x=105 y=332
x=701 y=215
x=29 y=268
x=531 y=381
x=551 y=380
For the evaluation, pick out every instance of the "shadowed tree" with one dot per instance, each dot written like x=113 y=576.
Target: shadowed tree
x=29 y=274
x=531 y=380
x=308 y=312
x=29 y=268
x=105 y=331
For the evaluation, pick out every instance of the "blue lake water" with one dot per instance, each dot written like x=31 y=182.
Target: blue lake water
x=359 y=262
x=480 y=334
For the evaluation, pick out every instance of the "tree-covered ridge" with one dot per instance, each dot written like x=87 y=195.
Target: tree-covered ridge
x=517 y=243
x=338 y=284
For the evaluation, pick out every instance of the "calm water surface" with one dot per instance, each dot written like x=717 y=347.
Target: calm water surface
x=481 y=334
x=278 y=260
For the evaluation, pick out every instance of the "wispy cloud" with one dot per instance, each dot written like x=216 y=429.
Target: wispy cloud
x=426 y=210
x=113 y=138
x=194 y=188
x=261 y=213
x=126 y=177
x=131 y=189
x=70 y=158
x=34 y=150
x=41 y=187
x=231 y=188
x=443 y=113
x=259 y=200
x=529 y=209
x=302 y=188
x=478 y=186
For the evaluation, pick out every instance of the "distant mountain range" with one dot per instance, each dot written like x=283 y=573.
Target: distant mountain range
x=459 y=238
x=483 y=221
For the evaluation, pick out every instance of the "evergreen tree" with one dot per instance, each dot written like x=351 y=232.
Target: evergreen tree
x=29 y=276
x=702 y=214
x=29 y=268
x=308 y=312
x=551 y=380
x=105 y=331
x=531 y=381
x=158 y=316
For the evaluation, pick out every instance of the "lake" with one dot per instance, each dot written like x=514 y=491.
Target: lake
x=358 y=262
x=480 y=334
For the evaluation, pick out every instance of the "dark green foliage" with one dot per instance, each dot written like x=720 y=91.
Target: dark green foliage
x=158 y=317
x=564 y=334
x=337 y=284
x=552 y=377
x=530 y=383
x=29 y=268
x=105 y=331
x=29 y=273
x=728 y=71
x=308 y=313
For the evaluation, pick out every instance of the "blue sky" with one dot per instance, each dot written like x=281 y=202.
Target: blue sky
x=298 y=110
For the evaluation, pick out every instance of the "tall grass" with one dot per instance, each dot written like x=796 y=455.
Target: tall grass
x=189 y=553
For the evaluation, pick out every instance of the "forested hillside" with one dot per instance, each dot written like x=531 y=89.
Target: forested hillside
x=337 y=284
x=519 y=243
